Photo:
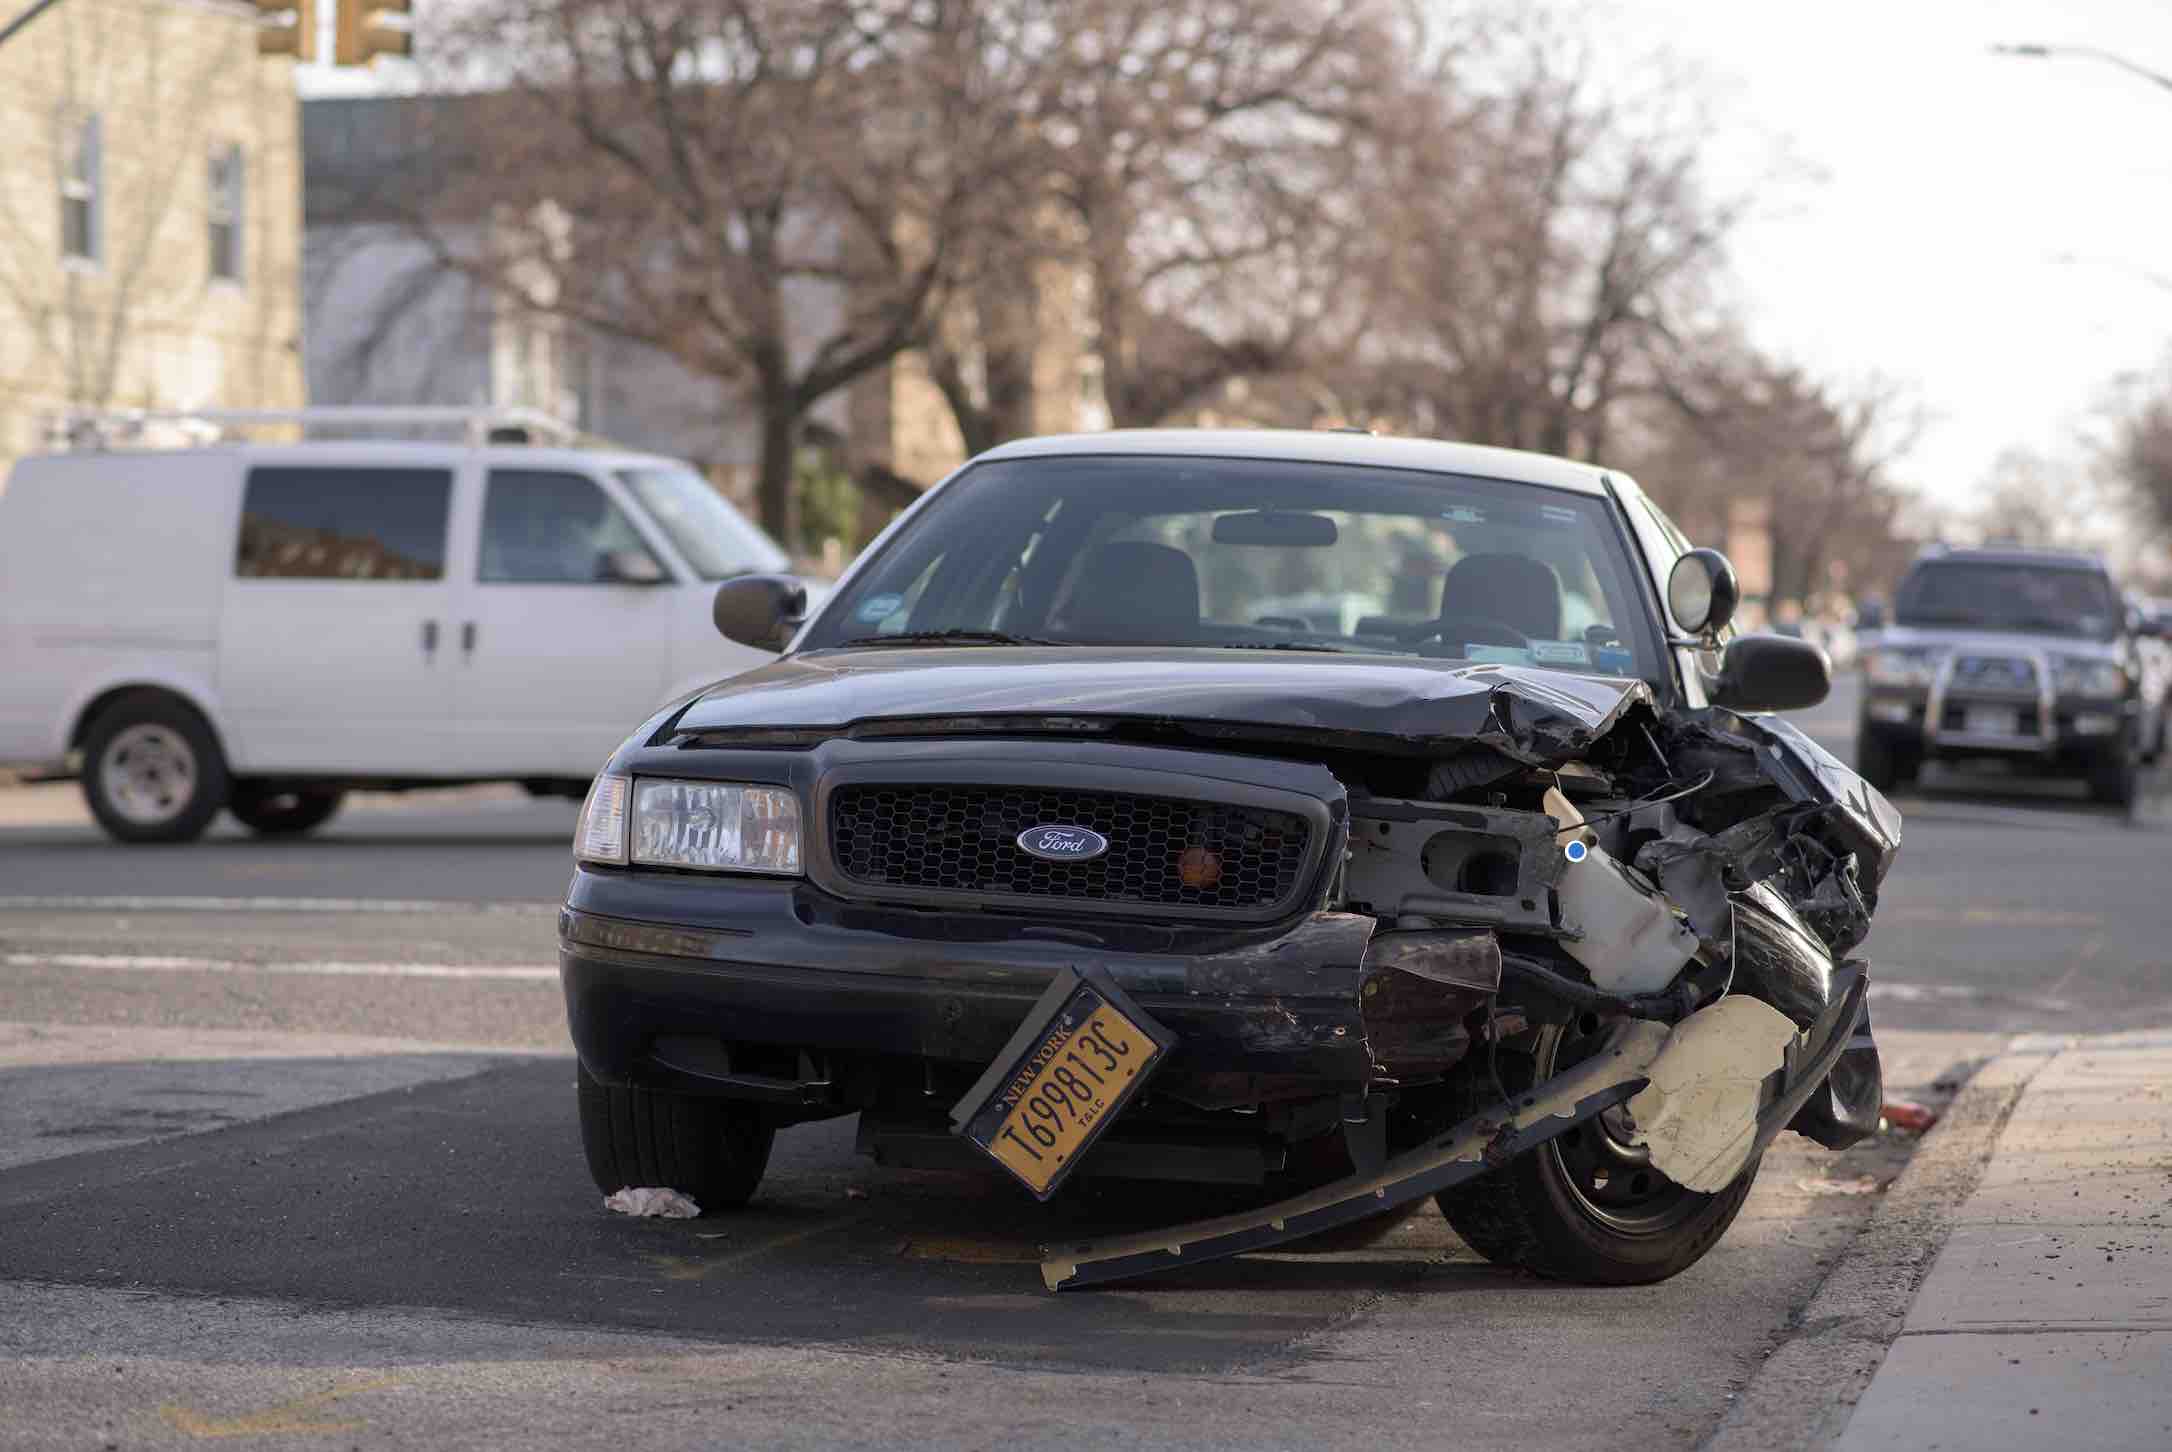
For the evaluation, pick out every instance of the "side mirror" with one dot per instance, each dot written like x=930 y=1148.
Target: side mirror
x=759 y=610
x=2151 y=627
x=1702 y=593
x=1870 y=615
x=629 y=567
x=1772 y=673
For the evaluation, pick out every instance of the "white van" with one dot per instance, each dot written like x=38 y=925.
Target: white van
x=262 y=627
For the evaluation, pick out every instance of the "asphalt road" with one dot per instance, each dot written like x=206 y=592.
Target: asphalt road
x=287 y=1153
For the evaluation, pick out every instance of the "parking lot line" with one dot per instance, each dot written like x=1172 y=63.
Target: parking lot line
x=151 y=963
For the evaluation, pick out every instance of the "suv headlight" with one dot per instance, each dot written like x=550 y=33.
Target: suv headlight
x=705 y=825
x=1903 y=665
x=2079 y=675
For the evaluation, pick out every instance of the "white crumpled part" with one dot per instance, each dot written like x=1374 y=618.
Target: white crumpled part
x=650 y=1200
x=1699 y=1113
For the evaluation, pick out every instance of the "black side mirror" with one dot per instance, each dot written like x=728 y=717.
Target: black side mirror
x=1870 y=615
x=2150 y=627
x=1702 y=593
x=1772 y=673
x=760 y=610
x=629 y=567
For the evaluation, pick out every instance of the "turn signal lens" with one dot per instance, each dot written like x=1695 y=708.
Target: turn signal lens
x=1198 y=868
x=601 y=834
x=716 y=826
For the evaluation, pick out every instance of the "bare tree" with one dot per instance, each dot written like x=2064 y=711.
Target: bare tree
x=768 y=191
x=2138 y=456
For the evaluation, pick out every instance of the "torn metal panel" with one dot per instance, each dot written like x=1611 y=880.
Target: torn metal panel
x=1472 y=1148
x=1421 y=990
x=1698 y=1116
x=1464 y=864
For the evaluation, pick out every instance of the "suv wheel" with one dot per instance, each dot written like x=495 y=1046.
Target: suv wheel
x=152 y=771
x=1587 y=1205
x=1881 y=763
x=2116 y=780
x=712 y=1150
x=274 y=813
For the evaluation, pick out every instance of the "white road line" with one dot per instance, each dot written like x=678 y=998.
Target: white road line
x=140 y=963
x=265 y=905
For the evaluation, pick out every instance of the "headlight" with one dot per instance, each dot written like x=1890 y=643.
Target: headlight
x=601 y=833
x=1902 y=666
x=2082 y=676
x=715 y=826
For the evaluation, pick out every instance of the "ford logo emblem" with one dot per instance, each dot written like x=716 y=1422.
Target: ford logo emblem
x=1062 y=844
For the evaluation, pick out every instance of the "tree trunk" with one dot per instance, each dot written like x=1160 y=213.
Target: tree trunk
x=773 y=485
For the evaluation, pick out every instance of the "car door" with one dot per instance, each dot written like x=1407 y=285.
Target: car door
x=332 y=627
x=564 y=631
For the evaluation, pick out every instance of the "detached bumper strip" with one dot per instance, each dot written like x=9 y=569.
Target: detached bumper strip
x=1472 y=1148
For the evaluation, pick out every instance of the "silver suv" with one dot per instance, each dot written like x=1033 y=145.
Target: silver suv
x=2024 y=656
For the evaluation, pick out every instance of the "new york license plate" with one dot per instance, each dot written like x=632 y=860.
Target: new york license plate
x=1062 y=1080
x=1990 y=721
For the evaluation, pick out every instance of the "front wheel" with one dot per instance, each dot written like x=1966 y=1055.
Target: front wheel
x=1880 y=762
x=152 y=771
x=2116 y=780
x=711 y=1150
x=1587 y=1205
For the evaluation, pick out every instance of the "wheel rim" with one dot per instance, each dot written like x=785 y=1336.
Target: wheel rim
x=1610 y=1181
x=148 y=774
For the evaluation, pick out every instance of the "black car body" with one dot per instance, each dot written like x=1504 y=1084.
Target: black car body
x=2030 y=658
x=1330 y=865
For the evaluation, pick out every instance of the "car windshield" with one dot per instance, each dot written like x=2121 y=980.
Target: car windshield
x=710 y=535
x=1989 y=596
x=1254 y=554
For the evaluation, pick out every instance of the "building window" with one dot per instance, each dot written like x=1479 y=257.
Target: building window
x=226 y=212
x=82 y=183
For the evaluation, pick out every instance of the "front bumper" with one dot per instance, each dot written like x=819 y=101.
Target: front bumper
x=776 y=992
x=2046 y=729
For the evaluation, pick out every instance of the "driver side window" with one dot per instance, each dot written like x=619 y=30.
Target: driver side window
x=544 y=528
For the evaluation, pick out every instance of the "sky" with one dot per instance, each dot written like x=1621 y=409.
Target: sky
x=1979 y=229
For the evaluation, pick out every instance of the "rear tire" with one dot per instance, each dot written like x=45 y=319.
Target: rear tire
x=711 y=1150
x=152 y=770
x=1586 y=1206
x=271 y=813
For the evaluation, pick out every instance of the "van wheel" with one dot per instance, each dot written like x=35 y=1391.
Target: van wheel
x=273 y=813
x=712 y=1150
x=1586 y=1205
x=152 y=771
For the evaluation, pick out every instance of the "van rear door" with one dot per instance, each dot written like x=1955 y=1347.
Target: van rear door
x=564 y=634
x=334 y=632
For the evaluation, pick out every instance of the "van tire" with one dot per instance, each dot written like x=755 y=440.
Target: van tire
x=152 y=770
x=710 y=1150
x=269 y=812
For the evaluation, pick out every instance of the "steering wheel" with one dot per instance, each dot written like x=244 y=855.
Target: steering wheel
x=1464 y=628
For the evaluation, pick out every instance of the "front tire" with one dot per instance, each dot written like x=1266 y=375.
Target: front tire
x=1587 y=1205
x=1880 y=762
x=2116 y=780
x=711 y=1150
x=270 y=813
x=152 y=770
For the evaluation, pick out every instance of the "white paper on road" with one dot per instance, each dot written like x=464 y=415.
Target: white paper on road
x=652 y=1200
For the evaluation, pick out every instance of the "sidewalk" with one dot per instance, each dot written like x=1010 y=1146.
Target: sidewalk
x=2046 y=1320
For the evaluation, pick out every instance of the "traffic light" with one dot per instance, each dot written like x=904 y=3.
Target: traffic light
x=371 y=28
x=287 y=27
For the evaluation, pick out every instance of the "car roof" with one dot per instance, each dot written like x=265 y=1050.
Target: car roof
x=379 y=451
x=2016 y=555
x=1323 y=446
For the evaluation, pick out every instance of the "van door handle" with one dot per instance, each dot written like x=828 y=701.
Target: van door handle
x=429 y=639
x=467 y=638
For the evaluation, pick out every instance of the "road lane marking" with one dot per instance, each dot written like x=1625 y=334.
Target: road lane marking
x=288 y=1417
x=700 y=1268
x=270 y=905
x=152 y=963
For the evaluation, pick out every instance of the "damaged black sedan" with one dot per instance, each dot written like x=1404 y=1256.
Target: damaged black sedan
x=1353 y=819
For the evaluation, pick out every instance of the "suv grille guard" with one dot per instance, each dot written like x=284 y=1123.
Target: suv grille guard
x=2045 y=698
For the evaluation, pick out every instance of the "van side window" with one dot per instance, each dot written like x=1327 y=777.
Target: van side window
x=343 y=524
x=550 y=529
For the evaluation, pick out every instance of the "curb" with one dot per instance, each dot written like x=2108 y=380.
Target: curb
x=1803 y=1395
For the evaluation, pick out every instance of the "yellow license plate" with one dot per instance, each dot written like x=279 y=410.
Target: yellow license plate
x=1059 y=1085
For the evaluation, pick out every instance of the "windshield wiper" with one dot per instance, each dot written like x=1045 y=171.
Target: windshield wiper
x=951 y=637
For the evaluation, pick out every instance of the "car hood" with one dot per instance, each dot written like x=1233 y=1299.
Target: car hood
x=1528 y=713
x=1988 y=642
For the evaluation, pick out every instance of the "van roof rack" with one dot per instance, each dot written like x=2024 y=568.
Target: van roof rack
x=183 y=428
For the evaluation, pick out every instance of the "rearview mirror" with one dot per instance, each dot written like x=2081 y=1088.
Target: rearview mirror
x=629 y=567
x=1285 y=528
x=1772 y=673
x=1702 y=593
x=760 y=610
